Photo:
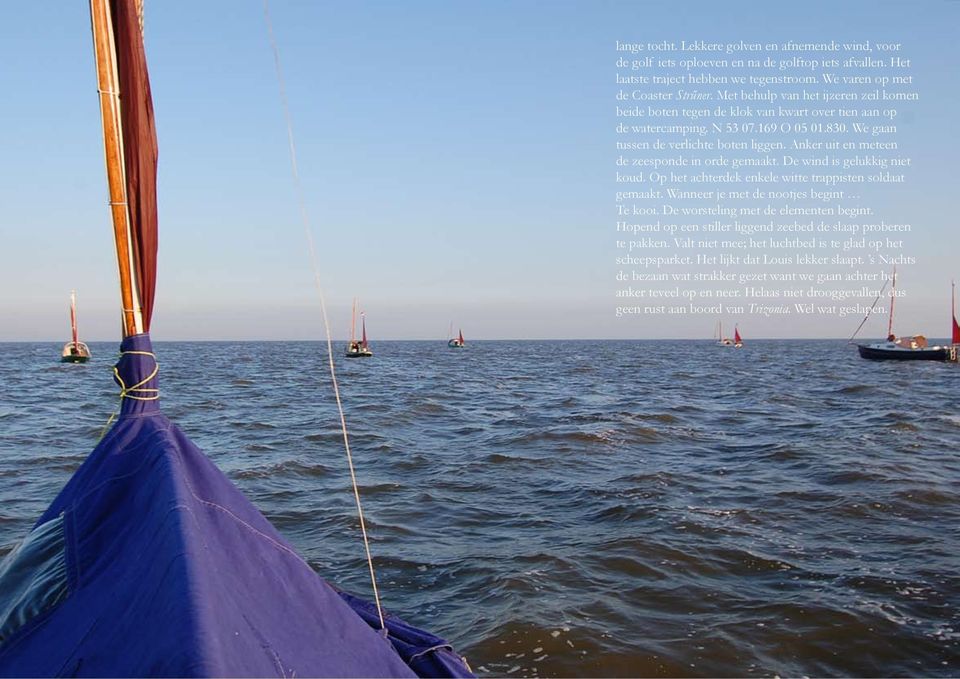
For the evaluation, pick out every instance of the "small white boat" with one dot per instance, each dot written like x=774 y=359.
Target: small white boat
x=457 y=342
x=722 y=341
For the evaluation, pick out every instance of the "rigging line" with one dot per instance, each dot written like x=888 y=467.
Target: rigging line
x=870 y=311
x=308 y=231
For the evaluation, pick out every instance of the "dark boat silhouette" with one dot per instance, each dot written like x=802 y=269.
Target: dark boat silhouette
x=358 y=348
x=913 y=348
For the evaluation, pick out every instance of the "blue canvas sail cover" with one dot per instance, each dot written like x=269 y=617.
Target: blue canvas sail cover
x=150 y=562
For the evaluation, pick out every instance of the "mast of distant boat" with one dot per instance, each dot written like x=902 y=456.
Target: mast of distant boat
x=73 y=319
x=955 y=335
x=893 y=297
x=353 y=322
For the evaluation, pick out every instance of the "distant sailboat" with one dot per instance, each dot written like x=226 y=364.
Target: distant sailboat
x=915 y=348
x=955 y=335
x=74 y=351
x=358 y=349
x=726 y=341
x=457 y=342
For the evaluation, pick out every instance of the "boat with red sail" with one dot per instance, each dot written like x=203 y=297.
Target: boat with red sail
x=736 y=342
x=457 y=342
x=74 y=351
x=915 y=347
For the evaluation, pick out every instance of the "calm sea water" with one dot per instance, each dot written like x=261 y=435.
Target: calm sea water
x=575 y=508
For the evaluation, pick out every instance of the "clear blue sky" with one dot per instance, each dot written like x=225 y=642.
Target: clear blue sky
x=456 y=157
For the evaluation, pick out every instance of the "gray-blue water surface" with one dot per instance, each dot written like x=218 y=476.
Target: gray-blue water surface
x=574 y=508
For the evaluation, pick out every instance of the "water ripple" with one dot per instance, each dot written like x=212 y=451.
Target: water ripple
x=574 y=508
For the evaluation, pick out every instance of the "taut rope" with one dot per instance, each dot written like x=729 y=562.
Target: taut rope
x=870 y=311
x=308 y=231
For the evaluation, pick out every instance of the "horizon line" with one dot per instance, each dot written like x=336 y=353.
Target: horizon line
x=487 y=339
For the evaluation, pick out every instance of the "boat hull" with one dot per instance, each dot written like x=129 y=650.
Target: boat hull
x=151 y=563
x=358 y=354
x=75 y=353
x=892 y=353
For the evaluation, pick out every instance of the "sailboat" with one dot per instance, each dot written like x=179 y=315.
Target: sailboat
x=74 y=351
x=915 y=348
x=358 y=348
x=456 y=342
x=722 y=341
x=150 y=562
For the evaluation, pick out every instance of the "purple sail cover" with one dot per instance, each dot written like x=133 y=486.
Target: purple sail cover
x=173 y=572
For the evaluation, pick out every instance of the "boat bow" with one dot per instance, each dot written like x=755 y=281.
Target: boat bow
x=168 y=570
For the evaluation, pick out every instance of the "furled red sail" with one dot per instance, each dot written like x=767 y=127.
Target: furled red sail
x=139 y=149
x=461 y=337
x=736 y=336
x=363 y=324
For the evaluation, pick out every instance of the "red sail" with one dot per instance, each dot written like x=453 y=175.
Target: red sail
x=139 y=148
x=363 y=323
x=461 y=337
x=953 y=308
x=73 y=321
x=736 y=336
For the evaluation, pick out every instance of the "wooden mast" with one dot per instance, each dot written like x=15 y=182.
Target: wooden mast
x=108 y=88
x=353 y=322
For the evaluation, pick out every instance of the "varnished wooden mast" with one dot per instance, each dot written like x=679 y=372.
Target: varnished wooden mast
x=108 y=88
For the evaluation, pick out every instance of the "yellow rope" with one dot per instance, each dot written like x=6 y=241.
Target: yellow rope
x=150 y=393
